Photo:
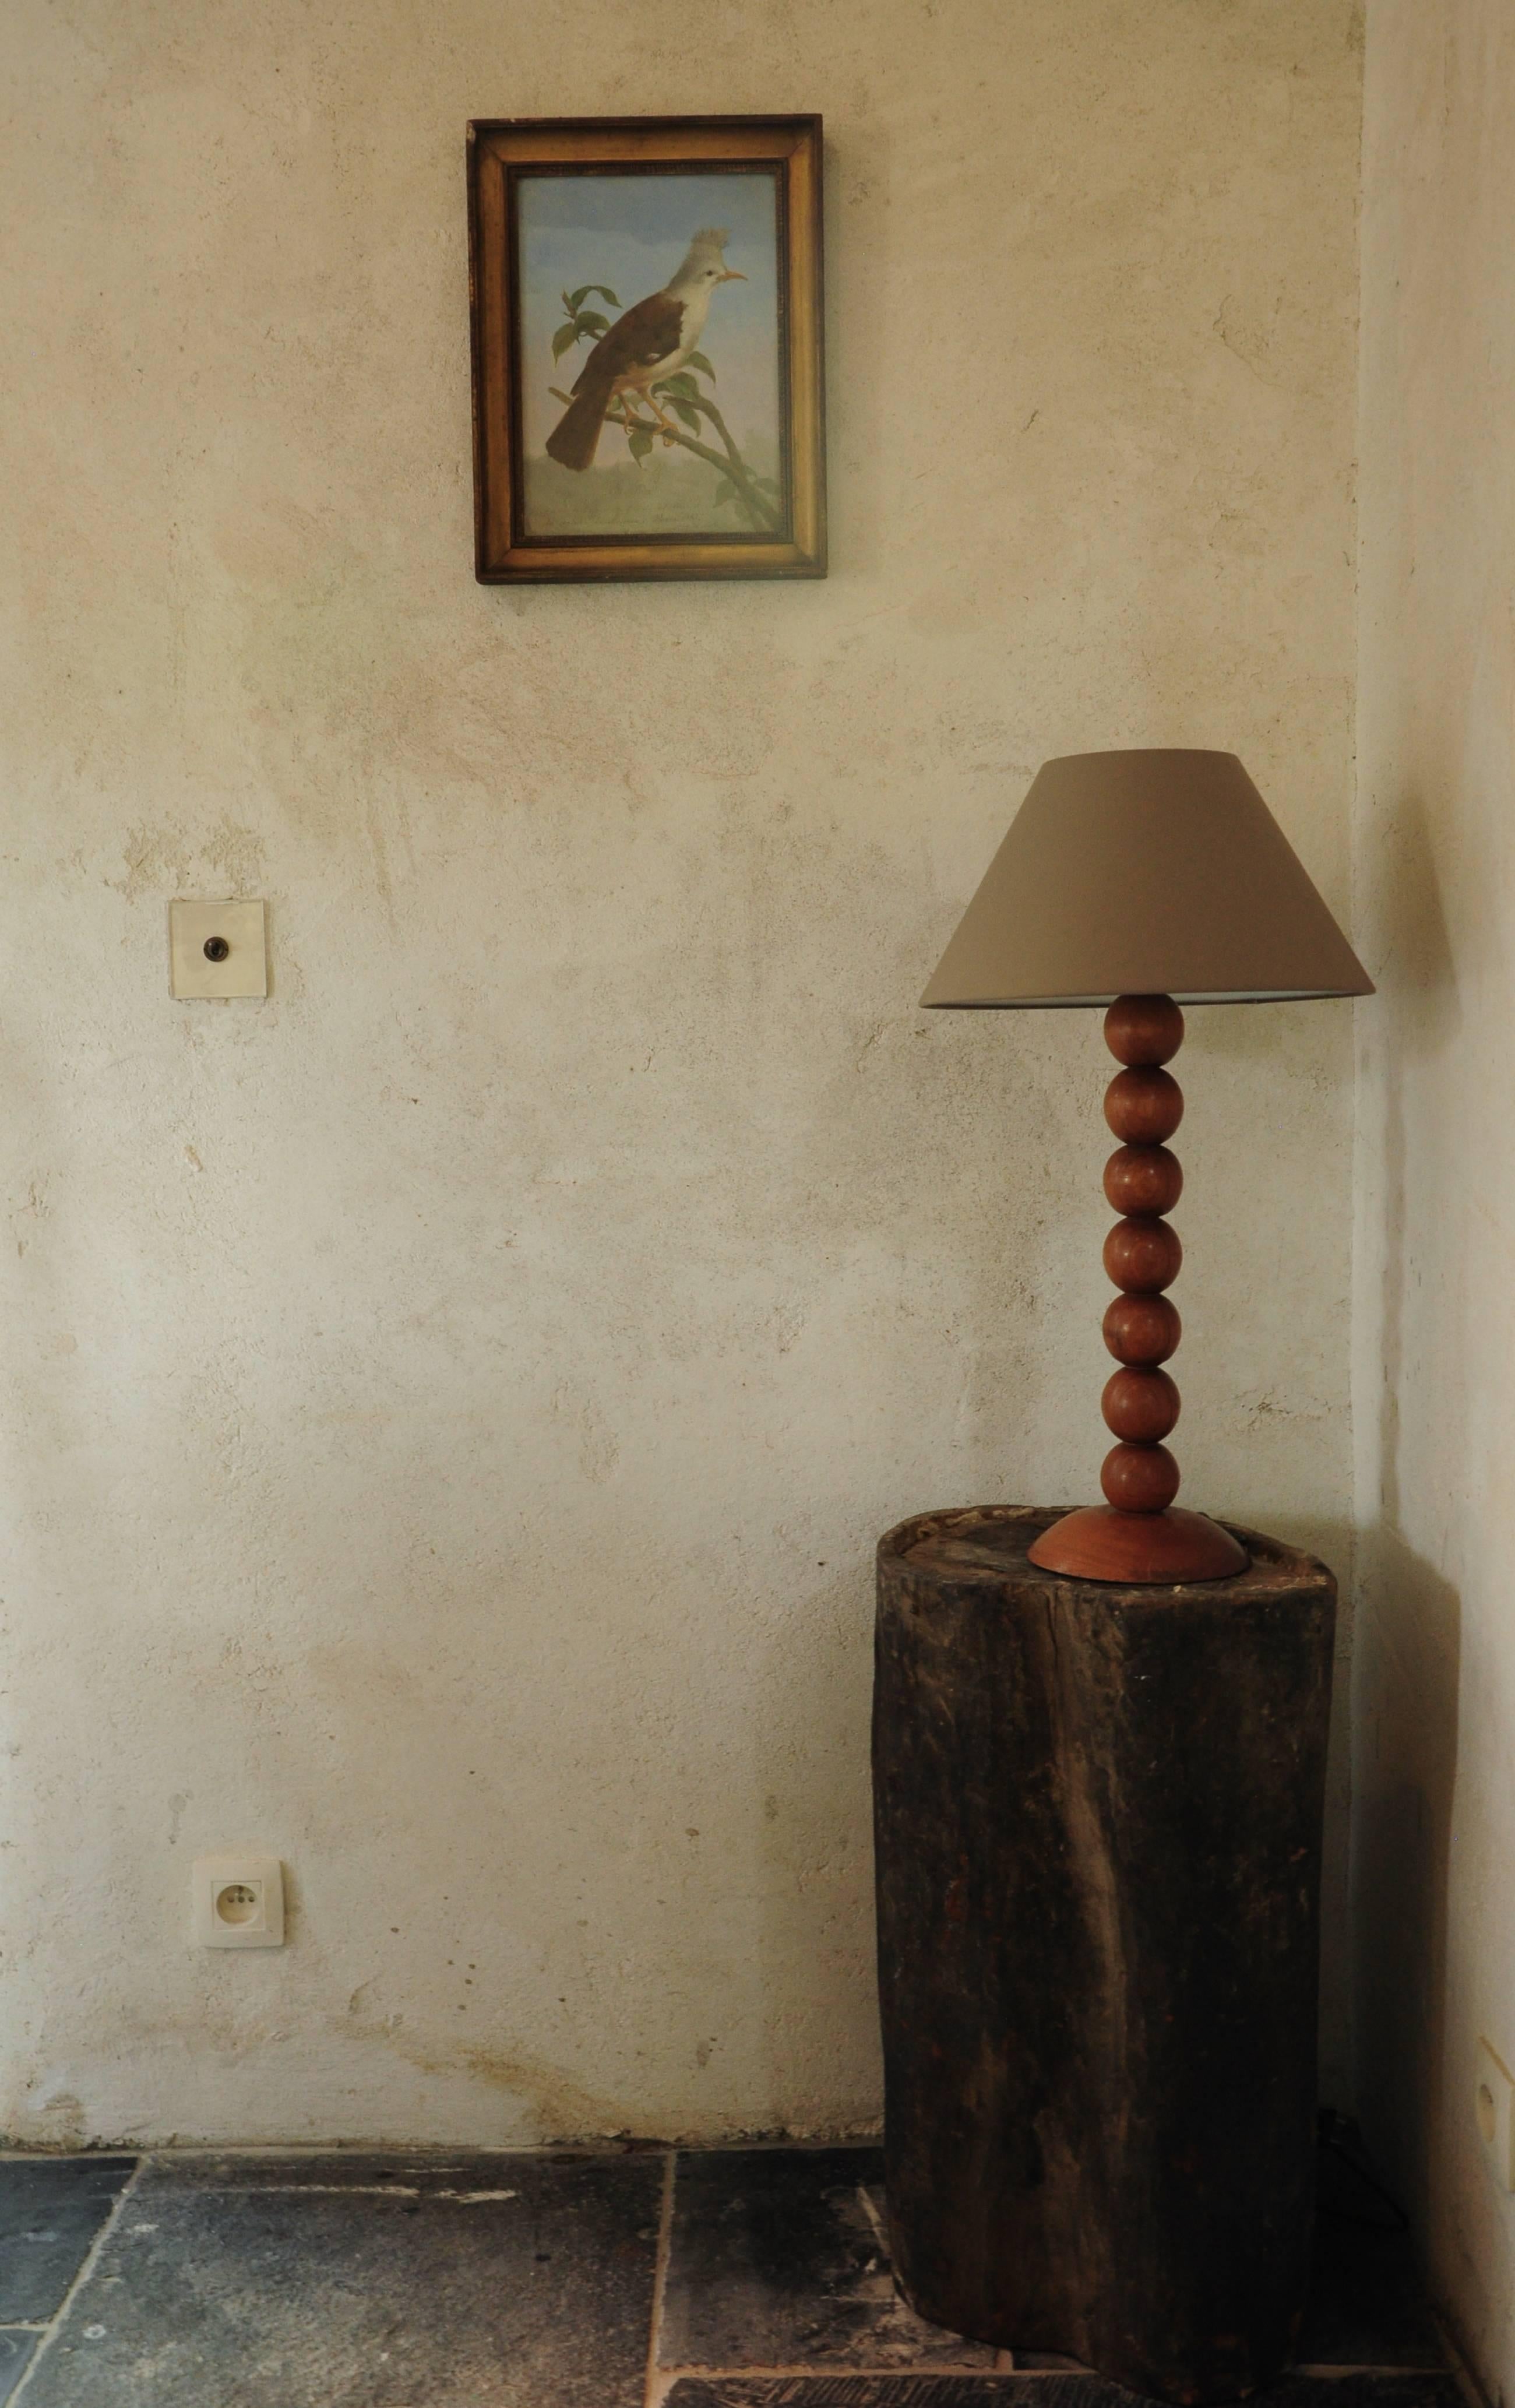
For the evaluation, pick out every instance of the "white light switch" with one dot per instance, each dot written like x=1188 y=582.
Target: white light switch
x=239 y=1902
x=217 y=949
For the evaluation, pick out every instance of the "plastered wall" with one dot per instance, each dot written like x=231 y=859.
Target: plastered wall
x=448 y=1409
x=1434 y=1905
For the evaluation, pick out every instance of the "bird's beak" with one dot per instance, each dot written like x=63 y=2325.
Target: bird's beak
x=731 y=276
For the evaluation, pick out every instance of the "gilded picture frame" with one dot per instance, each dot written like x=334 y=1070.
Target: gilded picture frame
x=647 y=390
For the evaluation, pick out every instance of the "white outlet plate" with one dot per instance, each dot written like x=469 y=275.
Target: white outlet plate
x=241 y=928
x=1494 y=2108
x=239 y=1901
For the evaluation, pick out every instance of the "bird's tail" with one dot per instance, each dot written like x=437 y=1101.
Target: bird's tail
x=574 y=439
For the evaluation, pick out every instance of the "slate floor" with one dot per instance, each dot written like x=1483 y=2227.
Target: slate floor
x=751 y=2278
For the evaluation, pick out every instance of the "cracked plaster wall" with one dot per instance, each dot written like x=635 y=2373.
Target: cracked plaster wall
x=1434 y=1389
x=448 y=1409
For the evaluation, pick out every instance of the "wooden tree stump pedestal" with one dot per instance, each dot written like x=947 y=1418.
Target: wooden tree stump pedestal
x=1097 y=1815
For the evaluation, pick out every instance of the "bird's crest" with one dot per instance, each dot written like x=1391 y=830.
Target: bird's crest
x=707 y=249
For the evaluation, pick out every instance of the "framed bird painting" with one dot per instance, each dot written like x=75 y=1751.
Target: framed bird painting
x=647 y=348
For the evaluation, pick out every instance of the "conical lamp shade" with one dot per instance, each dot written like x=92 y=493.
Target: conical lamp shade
x=1144 y=873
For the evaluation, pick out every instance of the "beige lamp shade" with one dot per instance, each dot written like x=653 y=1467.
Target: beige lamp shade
x=1144 y=873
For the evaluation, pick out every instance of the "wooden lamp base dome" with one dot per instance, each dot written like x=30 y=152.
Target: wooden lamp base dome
x=1100 y=1542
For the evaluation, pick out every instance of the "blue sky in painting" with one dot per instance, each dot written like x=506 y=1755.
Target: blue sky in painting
x=631 y=232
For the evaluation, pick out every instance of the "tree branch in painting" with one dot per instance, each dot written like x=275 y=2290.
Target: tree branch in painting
x=756 y=497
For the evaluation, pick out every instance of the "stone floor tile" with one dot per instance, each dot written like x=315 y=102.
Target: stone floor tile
x=399 y=2173
x=363 y=2281
x=50 y=2211
x=1395 y=2387
x=15 y=2358
x=1050 y=2390
x=964 y=2390
x=778 y=2257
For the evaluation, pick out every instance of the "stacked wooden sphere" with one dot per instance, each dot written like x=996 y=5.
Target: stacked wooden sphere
x=1143 y=1106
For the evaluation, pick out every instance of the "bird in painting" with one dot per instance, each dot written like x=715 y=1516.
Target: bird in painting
x=651 y=340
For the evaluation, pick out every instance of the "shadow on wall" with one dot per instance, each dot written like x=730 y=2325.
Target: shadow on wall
x=1410 y=1635
x=1408 y=1653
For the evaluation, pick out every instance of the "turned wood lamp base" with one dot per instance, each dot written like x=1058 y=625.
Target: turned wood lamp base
x=1100 y=1542
x=1139 y=1537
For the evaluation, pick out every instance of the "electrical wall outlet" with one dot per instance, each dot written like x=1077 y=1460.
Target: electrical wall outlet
x=217 y=949
x=1493 y=2105
x=239 y=1902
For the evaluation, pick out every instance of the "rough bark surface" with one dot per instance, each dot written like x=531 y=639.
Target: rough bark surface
x=1097 y=1815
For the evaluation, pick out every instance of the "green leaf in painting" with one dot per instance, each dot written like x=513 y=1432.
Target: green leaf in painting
x=590 y=321
x=564 y=341
x=683 y=410
x=681 y=384
x=724 y=493
x=698 y=360
x=641 y=443
x=577 y=300
x=558 y=394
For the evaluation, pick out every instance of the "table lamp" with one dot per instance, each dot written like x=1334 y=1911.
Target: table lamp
x=1142 y=880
